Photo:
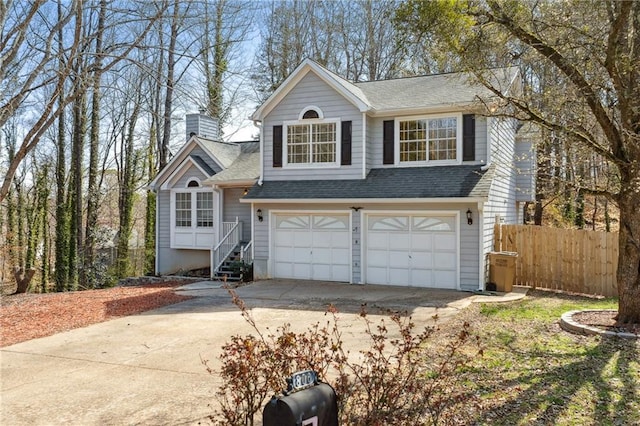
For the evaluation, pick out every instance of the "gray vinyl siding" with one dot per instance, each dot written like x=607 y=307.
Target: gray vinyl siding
x=171 y=261
x=502 y=194
x=201 y=125
x=311 y=90
x=469 y=246
x=190 y=173
x=232 y=208
x=356 y=247
x=261 y=244
x=374 y=141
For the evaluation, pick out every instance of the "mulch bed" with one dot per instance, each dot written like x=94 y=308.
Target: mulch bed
x=605 y=320
x=32 y=315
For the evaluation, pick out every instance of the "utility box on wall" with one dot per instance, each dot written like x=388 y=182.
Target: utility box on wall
x=305 y=402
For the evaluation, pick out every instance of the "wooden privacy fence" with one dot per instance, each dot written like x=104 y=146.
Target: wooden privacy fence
x=569 y=260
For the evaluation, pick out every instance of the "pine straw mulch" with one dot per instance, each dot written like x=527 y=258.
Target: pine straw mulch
x=32 y=315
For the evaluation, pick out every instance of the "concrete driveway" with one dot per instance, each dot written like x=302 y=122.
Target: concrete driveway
x=146 y=369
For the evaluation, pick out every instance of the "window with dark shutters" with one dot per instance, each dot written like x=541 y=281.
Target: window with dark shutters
x=345 y=154
x=468 y=137
x=277 y=146
x=388 y=142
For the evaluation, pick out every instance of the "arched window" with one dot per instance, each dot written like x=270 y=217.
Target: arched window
x=193 y=184
x=311 y=113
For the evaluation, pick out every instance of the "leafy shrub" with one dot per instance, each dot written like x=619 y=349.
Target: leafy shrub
x=394 y=381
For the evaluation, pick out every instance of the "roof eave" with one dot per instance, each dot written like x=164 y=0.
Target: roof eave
x=450 y=107
x=437 y=200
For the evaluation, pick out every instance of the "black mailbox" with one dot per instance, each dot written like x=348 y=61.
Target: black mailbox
x=305 y=402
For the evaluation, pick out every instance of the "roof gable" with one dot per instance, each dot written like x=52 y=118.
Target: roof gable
x=223 y=154
x=191 y=161
x=347 y=89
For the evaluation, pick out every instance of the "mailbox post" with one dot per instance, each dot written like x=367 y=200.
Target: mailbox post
x=306 y=402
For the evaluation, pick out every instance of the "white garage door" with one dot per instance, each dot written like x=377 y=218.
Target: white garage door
x=312 y=246
x=412 y=250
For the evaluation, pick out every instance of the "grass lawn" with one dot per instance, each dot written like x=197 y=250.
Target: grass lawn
x=534 y=373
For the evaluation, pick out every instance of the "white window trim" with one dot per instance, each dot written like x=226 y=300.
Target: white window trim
x=285 y=145
x=427 y=162
x=194 y=228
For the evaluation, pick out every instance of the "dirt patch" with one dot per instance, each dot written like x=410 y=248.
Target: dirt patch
x=29 y=316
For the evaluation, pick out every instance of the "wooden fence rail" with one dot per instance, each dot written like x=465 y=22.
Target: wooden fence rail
x=569 y=260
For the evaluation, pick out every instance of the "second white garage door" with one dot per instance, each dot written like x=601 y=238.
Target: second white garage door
x=412 y=250
x=311 y=246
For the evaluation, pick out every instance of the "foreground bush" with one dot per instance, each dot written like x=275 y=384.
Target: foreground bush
x=393 y=381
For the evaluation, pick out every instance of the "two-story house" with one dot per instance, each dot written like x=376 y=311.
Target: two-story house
x=393 y=182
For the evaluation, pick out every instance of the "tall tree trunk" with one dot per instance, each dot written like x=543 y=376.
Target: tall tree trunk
x=125 y=202
x=150 y=211
x=629 y=242
x=93 y=193
x=76 y=272
x=168 y=100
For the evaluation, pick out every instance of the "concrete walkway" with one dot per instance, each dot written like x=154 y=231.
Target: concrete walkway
x=147 y=369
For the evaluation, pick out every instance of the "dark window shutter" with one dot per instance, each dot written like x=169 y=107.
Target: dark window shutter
x=277 y=146
x=388 y=142
x=468 y=137
x=345 y=153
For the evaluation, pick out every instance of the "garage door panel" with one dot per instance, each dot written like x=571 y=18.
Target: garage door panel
x=340 y=256
x=399 y=276
x=444 y=279
x=378 y=258
x=284 y=238
x=302 y=255
x=421 y=278
x=302 y=270
x=285 y=254
x=341 y=239
x=302 y=239
x=416 y=250
x=377 y=275
x=422 y=242
x=444 y=261
x=399 y=241
x=421 y=260
x=284 y=270
x=444 y=242
x=312 y=246
x=378 y=240
x=399 y=259
x=321 y=239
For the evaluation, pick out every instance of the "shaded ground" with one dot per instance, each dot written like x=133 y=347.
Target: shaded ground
x=534 y=373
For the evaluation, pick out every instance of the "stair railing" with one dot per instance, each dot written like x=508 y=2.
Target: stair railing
x=246 y=254
x=226 y=245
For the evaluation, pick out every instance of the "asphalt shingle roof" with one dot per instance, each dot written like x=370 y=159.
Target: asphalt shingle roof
x=404 y=182
x=432 y=90
x=208 y=169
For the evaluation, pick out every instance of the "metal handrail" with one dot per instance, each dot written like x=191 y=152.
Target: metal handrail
x=246 y=254
x=226 y=245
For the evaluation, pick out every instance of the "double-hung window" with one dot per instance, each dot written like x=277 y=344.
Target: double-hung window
x=426 y=139
x=312 y=141
x=192 y=217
